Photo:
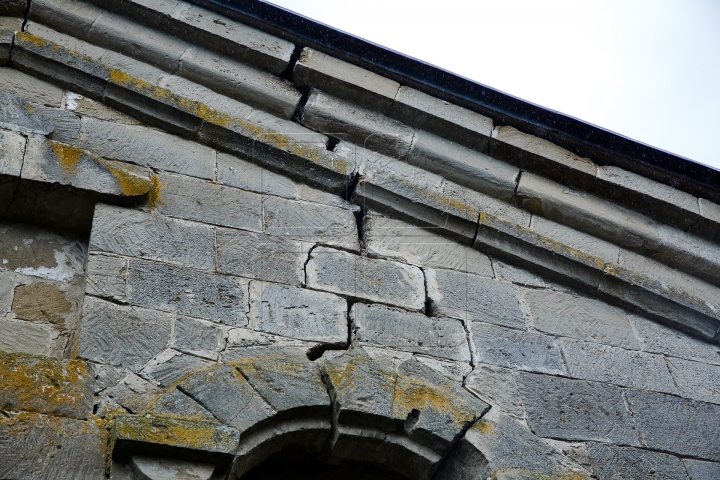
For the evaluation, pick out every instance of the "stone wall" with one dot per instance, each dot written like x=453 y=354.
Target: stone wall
x=236 y=265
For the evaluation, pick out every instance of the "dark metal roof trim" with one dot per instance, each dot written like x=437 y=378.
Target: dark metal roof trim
x=599 y=144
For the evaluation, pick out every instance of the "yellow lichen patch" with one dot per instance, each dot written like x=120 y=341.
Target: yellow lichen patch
x=412 y=393
x=155 y=196
x=44 y=385
x=524 y=474
x=347 y=376
x=130 y=185
x=29 y=108
x=198 y=435
x=68 y=156
x=31 y=39
x=484 y=427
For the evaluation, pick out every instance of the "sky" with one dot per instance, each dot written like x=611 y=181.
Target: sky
x=646 y=69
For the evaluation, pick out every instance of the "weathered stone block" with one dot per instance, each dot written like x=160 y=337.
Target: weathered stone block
x=29 y=87
x=67 y=125
x=497 y=386
x=171 y=366
x=689 y=253
x=657 y=338
x=349 y=122
x=696 y=380
x=170 y=468
x=699 y=470
x=612 y=462
x=676 y=425
x=18 y=115
x=46 y=302
x=559 y=313
x=378 y=325
x=106 y=276
x=260 y=256
x=709 y=210
x=516 y=349
x=463 y=166
x=197 y=337
x=74 y=18
x=225 y=393
x=176 y=403
x=576 y=410
x=138 y=234
x=395 y=239
x=12 y=153
x=298 y=313
x=375 y=280
x=513 y=274
x=345 y=80
x=473 y=298
x=602 y=363
x=122 y=336
x=310 y=222
x=37 y=339
x=40 y=446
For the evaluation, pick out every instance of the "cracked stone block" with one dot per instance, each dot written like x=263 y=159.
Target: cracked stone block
x=170 y=366
x=361 y=277
x=298 y=313
x=12 y=153
x=612 y=462
x=177 y=403
x=197 y=337
x=696 y=380
x=378 y=325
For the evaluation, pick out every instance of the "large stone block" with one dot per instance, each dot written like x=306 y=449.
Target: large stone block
x=378 y=325
x=66 y=16
x=603 y=363
x=106 y=276
x=298 y=313
x=137 y=234
x=171 y=366
x=517 y=349
x=20 y=336
x=696 y=380
x=473 y=298
x=676 y=425
x=576 y=410
x=122 y=336
x=361 y=277
x=689 y=253
x=497 y=386
x=559 y=313
x=198 y=337
x=699 y=470
x=30 y=87
x=613 y=462
x=260 y=256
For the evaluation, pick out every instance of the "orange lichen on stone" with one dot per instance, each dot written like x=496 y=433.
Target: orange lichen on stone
x=130 y=185
x=68 y=156
x=155 y=195
x=413 y=393
x=484 y=427
x=32 y=39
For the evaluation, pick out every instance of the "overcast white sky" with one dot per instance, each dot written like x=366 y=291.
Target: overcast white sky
x=647 y=69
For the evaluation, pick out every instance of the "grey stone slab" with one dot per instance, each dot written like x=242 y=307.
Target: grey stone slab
x=84 y=106
x=353 y=123
x=67 y=124
x=298 y=313
x=138 y=234
x=537 y=155
x=149 y=467
x=197 y=337
x=396 y=239
x=223 y=391
x=20 y=336
x=12 y=153
x=38 y=446
x=699 y=470
x=497 y=386
x=560 y=313
x=587 y=213
x=696 y=380
x=612 y=462
x=170 y=367
x=689 y=253
x=239 y=173
x=239 y=81
x=378 y=325
x=626 y=368
x=106 y=276
x=657 y=338
x=676 y=425
x=516 y=349
x=474 y=298
x=122 y=336
x=463 y=165
x=260 y=256
x=73 y=18
x=7 y=287
x=571 y=237
x=177 y=403
x=208 y=202
x=381 y=281
x=18 y=115
x=345 y=80
x=576 y=410
x=709 y=210
x=220 y=109
x=513 y=274
x=310 y=222
x=147 y=147
x=445 y=119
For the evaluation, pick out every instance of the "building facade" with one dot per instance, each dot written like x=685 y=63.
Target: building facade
x=231 y=249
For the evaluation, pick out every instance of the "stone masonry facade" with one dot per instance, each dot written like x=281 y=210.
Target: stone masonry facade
x=217 y=246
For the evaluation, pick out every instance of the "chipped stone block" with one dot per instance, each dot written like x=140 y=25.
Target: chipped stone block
x=345 y=80
x=537 y=155
x=559 y=313
x=395 y=239
x=657 y=338
x=497 y=386
x=26 y=337
x=517 y=349
x=696 y=380
x=310 y=222
x=463 y=166
x=699 y=470
x=31 y=88
x=473 y=298
x=260 y=256
x=12 y=153
x=378 y=325
x=106 y=276
x=611 y=462
x=122 y=336
x=67 y=125
x=45 y=385
x=676 y=425
x=513 y=274
x=47 y=303
x=68 y=449
x=197 y=337
x=298 y=313
x=576 y=410
x=18 y=115
x=170 y=367
x=225 y=393
x=137 y=234
x=603 y=363
x=352 y=123
x=375 y=280
x=455 y=123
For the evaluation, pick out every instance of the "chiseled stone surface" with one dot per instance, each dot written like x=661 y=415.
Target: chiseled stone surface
x=12 y=152
x=496 y=385
x=699 y=470
x=613 y=462
x=696 y=380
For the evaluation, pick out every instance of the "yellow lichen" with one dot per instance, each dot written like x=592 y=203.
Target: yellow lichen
x=29 y=108
x=484 y=427
x=32 y=39
x=176 y=432
x=155 y=196
x=411 y=393
x=68 y=156
x=130 y=185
